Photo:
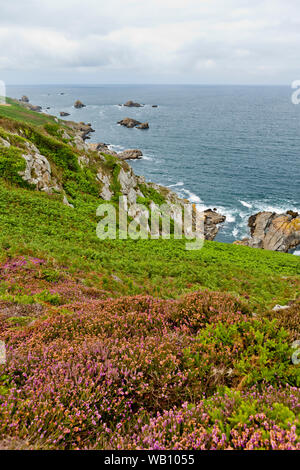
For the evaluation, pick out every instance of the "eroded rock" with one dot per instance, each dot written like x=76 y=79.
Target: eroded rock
x=212 y=220
x=129 y=122
x=275 y=232
x=38 y=171
x=132 y=104
x=130 y=154
x=78 y=104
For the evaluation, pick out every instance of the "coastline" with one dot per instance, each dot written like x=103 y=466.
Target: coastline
x=239 y=229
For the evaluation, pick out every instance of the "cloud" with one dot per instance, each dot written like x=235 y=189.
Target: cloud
x=183 y=41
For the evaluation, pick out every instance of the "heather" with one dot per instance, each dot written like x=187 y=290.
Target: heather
x=135 y=373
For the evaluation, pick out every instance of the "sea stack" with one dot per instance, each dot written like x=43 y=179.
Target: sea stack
x=78 y=104
x=132 y=104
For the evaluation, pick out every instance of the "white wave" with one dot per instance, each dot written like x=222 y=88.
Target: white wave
x=116 y=148
x=297 y=253
x=192 y=197
x=146 y=157
x=262 y=206
x=246 y=204
x=235 y=232
x=230 y=214
x=180 y=183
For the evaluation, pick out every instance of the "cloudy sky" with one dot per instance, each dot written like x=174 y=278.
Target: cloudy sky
x=155 y=41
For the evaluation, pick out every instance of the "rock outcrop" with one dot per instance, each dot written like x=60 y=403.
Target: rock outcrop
x=132 y=104
x=129 y=122
x=32 y=107
x=130 y=154
x=78 y=104
x=4 y=143
x=38 y=171
x=63 y=114
x=101 y=148
x=212 y=220
x=81 y=129
x=271 y=231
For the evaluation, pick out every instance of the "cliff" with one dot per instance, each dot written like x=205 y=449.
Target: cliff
x=54 y=157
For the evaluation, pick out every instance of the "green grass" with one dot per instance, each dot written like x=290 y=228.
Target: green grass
x=37 y=224
x=20 y=113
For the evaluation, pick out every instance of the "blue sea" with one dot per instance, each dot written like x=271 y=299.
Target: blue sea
x=234 y=148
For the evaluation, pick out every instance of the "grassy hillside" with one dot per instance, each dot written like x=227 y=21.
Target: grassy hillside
x=134 y=344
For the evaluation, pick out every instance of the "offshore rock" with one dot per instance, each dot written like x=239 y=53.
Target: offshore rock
x=78 y=104
x=132 y=104
x=129 y=122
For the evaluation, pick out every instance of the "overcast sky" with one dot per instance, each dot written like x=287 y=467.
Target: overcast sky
x=150 y=41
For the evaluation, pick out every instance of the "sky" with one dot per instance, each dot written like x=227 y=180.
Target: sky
x=149 y=41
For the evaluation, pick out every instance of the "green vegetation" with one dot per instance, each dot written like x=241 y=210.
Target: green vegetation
x=37 y=224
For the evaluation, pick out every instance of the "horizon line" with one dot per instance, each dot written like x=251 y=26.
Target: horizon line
x=152 y=84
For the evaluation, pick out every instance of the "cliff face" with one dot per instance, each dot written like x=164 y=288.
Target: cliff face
x=55 y=158
x=271 y=231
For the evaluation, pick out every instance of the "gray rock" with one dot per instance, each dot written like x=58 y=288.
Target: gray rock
x=4 y=142
x=130 y=154
x=132 y=104
x=129 y=122
x=212 y=220
x=275 y=232
x=38 y=172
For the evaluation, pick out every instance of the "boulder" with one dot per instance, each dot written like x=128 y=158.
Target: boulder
x=132 y=104
x=275 y=232
x=154 y=106
x=129 y=122
x=144 y=125
x=24 y=99
x=63 y=113
x=130 y=154
x=78 y=104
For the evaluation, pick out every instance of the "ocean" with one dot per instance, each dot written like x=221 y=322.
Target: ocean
x=234 y=148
